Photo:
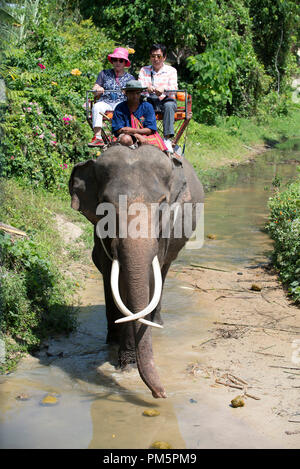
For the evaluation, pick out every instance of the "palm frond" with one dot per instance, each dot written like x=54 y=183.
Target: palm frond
x=15 y=94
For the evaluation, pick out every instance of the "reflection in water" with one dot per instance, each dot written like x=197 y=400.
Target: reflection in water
x=100 y=407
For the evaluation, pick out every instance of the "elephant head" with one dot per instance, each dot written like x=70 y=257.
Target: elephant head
x=145 y=176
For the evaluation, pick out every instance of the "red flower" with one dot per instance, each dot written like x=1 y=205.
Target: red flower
x=41 y=66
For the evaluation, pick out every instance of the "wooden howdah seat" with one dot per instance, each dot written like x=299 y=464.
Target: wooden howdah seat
x=182 y=116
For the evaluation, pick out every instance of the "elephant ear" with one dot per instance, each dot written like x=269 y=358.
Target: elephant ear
x=83 y=188
x=179 y=188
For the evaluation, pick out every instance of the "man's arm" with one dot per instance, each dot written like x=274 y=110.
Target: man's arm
x=118 y=121
x=145 y=80
x=172 y=82
x=149 y=117
x=132 y=131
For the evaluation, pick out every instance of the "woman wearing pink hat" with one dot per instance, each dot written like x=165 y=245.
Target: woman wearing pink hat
x=112 y=79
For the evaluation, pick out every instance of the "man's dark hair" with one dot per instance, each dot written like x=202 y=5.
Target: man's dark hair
x=155 y=47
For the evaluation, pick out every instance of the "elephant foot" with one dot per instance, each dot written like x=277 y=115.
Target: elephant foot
x=129 y=367
x=158 y=394
x=127 y=359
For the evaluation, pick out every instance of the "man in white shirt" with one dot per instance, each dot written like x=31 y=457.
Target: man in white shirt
x=157 y=78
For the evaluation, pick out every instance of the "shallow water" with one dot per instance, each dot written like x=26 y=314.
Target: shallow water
x=237 y=212
x=100 y=407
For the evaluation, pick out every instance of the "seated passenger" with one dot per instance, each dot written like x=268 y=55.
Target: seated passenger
x=157 y=78
x=111 y=79
x=134 y=121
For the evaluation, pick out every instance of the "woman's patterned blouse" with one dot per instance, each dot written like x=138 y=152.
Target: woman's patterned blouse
x=107 y=79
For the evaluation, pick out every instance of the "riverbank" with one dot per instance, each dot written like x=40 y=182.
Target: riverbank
x=250 y=348
x=37 y=281
x=284 y=229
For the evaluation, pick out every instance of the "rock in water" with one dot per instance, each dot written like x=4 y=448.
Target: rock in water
x=255 y=287
x=49 y=400
x=151 y=413
x=161 y=445
x=23 y=397
x=238 y=402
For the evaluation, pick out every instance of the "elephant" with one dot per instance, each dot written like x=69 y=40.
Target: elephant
x=134 y=268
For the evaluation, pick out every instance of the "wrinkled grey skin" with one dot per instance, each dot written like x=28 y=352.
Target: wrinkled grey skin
x=148 y=175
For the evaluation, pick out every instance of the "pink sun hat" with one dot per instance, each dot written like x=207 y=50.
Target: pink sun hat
x=120 y=53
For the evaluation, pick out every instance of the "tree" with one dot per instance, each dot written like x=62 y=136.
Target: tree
x=209 y=42
x=275 y=22
x=184 y=26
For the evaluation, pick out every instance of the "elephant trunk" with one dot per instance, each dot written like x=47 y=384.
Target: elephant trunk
x=136 y=265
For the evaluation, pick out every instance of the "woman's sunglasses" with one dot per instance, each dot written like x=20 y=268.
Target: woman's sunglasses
x=118 y=60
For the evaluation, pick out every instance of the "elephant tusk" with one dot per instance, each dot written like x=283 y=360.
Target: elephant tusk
x=114 y=281
x=156 y=296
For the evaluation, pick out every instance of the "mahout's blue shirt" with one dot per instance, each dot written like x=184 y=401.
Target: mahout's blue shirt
x=145 y=113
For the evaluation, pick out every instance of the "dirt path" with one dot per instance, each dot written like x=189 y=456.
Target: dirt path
x=255 y=337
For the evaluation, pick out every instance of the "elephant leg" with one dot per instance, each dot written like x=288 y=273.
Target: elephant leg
x=103 y=264
x=127 y=350
x=114 y=331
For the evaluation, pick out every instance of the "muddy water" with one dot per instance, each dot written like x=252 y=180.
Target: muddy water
x=97 y=406
x=237 y=212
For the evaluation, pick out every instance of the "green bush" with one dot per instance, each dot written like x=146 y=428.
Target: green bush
x=284 y=228
x=44 y=128
x=35 y=295
x=227 y=79
x=33 y=303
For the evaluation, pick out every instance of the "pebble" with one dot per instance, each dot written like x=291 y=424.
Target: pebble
x=23 y=397
x=49 y=400
x=255 y=287
x=151 y=413
x=238 y=402
x=161 y=445
x=212 y=236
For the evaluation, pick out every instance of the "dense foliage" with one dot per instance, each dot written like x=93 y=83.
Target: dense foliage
x=284 y=228
x=275 y=25
x=34 y=294
x=52 y=57
x=213 y=44
x=47 y=73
